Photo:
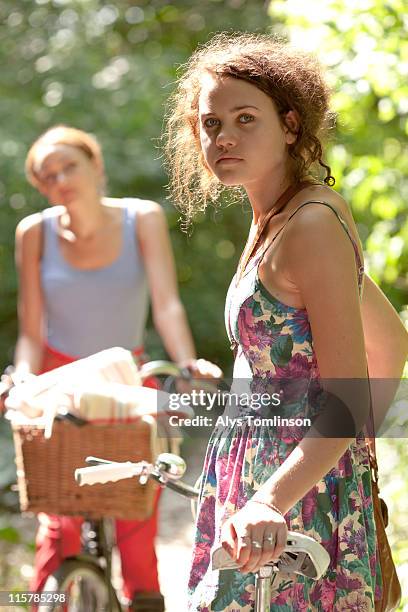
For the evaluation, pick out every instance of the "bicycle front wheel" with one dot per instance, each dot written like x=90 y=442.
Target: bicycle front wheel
x=85 y=587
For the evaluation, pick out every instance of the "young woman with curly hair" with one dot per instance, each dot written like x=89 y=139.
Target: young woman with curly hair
x=250 y=112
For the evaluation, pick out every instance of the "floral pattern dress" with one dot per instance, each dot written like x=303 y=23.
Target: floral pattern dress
x=274 y=342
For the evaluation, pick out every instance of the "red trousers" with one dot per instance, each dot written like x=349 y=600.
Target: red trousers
x=58 y=537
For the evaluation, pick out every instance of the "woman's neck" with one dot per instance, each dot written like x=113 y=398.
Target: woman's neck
x=83 y=221
x=263 y=197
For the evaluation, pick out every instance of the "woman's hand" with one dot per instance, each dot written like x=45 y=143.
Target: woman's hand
x=201 y=368
x=204 y=376
x=254 y=535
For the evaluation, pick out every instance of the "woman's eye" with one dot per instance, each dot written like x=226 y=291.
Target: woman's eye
x=245 y=118
x=49 y=178
x=210 y=122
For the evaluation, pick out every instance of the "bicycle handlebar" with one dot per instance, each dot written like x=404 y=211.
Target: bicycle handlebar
x=166 y=368
x=183 y=488
x=110 y=472
x=167 y=471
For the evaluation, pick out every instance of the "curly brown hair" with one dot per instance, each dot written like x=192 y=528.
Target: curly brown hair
x=292 y=78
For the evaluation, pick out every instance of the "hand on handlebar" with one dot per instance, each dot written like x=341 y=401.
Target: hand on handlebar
x=254 y=535
x=201 y=368
x=205 y=375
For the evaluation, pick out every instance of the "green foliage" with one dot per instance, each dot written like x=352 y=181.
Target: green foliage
x=364 y=46
x=9 y=534
x=393 y=462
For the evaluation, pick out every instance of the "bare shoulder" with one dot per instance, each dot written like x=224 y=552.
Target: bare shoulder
x=33 y=223
x=314 y=235
x=142 y=207
x=148 y=208
x=318 y=253
x=148 y=212
x=29 y=226
x=28 y=243
x=150 y=215
x=151 y=219
x=316 y=218
x=311 y=222
x=321 y=193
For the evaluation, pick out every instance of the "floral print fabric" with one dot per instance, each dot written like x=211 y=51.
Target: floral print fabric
x=274 y=342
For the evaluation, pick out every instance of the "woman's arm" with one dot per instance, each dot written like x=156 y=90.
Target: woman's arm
x=169 y=316
x=386 y=341
x=29 y=347
x=320 y=261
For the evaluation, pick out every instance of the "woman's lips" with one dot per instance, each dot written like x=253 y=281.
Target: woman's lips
x=229 y=160
x=67 y=194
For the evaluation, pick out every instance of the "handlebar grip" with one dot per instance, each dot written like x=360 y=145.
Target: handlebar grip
x=99 y=474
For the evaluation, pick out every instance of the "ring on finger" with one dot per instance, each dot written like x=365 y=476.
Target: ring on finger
x=245 y=539
x=269 y=539
x=256 y=544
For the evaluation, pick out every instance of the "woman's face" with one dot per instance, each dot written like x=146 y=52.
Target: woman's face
x=67 y=175
x=242 y=137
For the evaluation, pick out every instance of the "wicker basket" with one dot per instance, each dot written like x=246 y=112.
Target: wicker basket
x=45 y=469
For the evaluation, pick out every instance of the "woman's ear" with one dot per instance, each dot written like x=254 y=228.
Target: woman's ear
x=98 y=164
x=291 y=124
x=100 y=171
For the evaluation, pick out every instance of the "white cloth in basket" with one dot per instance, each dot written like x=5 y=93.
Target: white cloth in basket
x=115 y=401
x=55 y=389
x=103 y=387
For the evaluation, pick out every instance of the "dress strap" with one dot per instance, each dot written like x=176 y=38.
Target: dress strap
x=360 y=265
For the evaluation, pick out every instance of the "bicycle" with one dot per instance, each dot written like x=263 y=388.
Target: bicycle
x=302 y=554
x=87 y=576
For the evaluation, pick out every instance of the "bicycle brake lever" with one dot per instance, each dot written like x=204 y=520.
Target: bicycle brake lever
x=96 y=461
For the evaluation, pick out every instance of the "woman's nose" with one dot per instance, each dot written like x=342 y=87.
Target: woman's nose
x=61 y=177
x=226 y=137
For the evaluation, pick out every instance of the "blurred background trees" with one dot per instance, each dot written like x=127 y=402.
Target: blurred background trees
x=364 y=45
x=108 y=67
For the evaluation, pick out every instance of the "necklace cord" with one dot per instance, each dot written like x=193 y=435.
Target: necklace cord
x=280 y=204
